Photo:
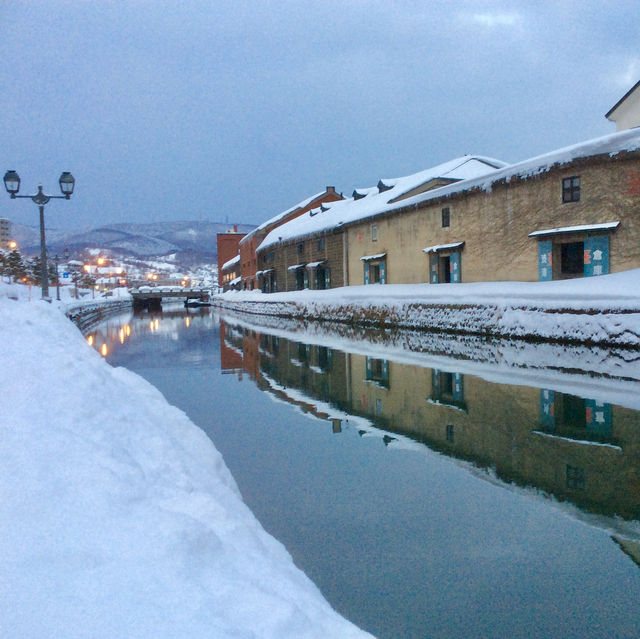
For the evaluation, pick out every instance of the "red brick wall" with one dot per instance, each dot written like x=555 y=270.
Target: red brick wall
x=228 y=244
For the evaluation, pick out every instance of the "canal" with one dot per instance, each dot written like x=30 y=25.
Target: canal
x=431 y=486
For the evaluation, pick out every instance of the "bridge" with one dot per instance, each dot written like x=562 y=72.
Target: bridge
x=150 y=297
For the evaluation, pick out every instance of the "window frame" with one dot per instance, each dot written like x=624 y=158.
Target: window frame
x=445 y=217
x=571 y=187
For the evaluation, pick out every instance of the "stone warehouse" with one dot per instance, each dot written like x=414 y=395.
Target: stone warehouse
x=571 y=213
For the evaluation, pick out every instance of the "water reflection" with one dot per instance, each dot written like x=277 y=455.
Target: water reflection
x=582 y=450
x=445 y=491
x=108 y=336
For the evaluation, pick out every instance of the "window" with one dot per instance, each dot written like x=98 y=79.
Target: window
x=301 y=247
x=575 y=477
x=374 y=232
x=321 y=244
x=378 y=371
x=374 y=273
x=571 y=189
x=450 y=434
x=446 y=217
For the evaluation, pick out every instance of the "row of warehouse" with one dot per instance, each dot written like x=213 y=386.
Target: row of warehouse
x=574 y=212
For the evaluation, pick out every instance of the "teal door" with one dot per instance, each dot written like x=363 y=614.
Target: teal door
x=544 y=261
x=455 y=260
x=596 y=255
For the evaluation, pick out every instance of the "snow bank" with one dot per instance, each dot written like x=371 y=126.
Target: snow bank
x=599 y=310
x=118 y=517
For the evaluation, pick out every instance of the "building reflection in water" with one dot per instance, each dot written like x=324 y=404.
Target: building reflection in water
x=580 y=450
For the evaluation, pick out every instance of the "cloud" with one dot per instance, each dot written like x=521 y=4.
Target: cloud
x=493 y=20
x=630 y=75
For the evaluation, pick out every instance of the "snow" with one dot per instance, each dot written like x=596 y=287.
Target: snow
x=335 y=214
x=575 y=229
x=603 y=309
x=280 y=216
x=231 y=262
x=377 y=256
x=118 y=517
x=442 y=247
x=472 y=176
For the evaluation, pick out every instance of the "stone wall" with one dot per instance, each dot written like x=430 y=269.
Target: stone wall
x=495 y=225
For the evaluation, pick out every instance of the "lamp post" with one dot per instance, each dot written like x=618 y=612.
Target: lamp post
x=67 y=183
x=57 y=278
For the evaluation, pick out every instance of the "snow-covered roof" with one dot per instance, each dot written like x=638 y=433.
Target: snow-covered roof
x=316 y=264
x=349 y=210
x=442 y=247
x=368 y=258
x=280 y=216
x=577 y=229
x=371 y=201
x=295 y=267
x=231 y=262
x=235 y=280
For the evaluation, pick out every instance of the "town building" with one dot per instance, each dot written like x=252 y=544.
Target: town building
x=571 y=213
x=312 y=251
x=5 y=233
x=228 y=245
x=264 y=277
x=626 y=111
x=574 y=212
x=229 y=274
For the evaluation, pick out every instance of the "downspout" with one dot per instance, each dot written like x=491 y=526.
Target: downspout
x=345 y=273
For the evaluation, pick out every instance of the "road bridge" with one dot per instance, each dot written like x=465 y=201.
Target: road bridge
x=150 y=297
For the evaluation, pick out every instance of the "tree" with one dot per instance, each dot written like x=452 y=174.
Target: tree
x=15 y=265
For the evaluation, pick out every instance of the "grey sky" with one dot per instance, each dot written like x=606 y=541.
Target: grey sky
x=233 y=109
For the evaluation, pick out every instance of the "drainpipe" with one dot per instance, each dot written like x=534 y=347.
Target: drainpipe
x=345 y=272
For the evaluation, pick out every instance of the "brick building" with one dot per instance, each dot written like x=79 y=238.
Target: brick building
x=251 y=278
x=229 y=274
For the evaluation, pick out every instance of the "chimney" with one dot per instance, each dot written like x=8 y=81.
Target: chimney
x=235 y=228
x=331 y=189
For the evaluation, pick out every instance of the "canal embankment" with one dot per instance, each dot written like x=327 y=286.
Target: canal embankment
x=603 y=311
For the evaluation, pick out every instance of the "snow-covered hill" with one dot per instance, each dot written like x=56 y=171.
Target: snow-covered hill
x=193 y=242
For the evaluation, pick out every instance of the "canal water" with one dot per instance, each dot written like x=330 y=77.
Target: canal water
x=430 y=486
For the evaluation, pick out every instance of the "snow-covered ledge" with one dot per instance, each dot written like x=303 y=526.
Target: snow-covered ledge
x=602 y=310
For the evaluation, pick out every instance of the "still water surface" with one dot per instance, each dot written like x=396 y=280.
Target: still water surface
x=430 y=487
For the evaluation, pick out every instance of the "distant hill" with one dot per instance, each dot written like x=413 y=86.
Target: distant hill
x=192 y=242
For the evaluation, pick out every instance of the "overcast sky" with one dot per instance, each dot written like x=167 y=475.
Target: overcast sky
x=234 y=110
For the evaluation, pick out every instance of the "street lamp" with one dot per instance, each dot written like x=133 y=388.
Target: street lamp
x=67 y=183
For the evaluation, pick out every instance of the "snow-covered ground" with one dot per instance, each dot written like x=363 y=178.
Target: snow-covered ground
x=604 y=309
x=118 y=517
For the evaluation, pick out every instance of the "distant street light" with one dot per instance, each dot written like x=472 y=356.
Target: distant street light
x=57 y=278
x=67 y=183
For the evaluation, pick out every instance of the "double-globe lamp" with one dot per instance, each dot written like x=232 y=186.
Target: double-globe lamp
x=67 y=184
